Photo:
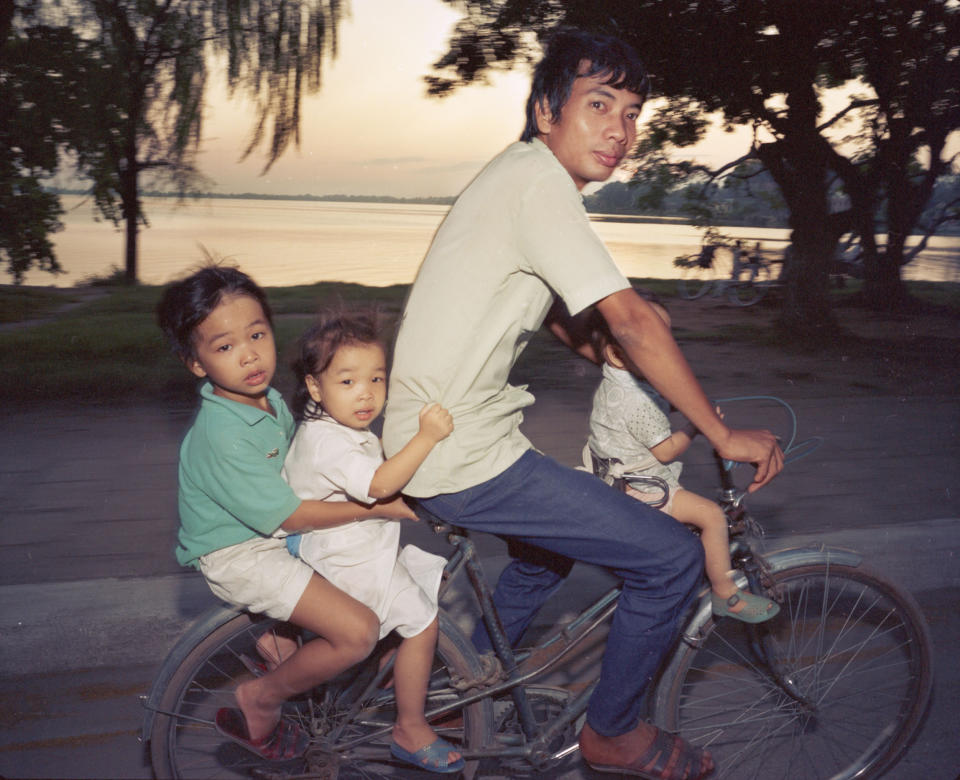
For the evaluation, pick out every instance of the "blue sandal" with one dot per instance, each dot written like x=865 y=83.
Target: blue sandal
x=756 y=609
x=432 y=758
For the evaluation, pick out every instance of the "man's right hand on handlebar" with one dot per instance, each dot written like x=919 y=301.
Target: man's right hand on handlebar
x=759 y=447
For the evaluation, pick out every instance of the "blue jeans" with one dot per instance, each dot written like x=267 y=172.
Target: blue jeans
x=553 y=515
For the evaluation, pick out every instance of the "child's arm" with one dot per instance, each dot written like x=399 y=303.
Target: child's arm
x=677 y=442
x=312 y=514
x=436 y=423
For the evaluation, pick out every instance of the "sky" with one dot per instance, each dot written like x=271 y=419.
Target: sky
x=371 y=130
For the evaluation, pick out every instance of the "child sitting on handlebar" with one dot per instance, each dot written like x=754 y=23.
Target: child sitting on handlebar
x=629 y=427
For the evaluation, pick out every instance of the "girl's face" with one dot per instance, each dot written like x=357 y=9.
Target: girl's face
x=353 y=388
x=234 y=348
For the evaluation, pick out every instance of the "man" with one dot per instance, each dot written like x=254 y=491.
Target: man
x=515 y=245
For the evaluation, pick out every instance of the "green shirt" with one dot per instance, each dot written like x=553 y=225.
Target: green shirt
x=230 y=484
x=517 y=237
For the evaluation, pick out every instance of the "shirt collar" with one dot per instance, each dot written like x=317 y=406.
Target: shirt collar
x=251 y=415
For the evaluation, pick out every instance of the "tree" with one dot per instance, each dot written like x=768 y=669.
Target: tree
x=762 y=63
x=39 y=70
x=907 y=52
x=144 y=109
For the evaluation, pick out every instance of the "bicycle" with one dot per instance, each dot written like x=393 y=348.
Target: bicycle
x=699 y=275
x=834 y=686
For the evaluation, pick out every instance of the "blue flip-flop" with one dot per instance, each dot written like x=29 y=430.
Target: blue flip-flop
x=432 y=758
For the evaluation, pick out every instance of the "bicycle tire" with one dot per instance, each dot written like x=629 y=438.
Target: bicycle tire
x=695 y=281
x=185 y=744
x=854 y=647
x=752 y=289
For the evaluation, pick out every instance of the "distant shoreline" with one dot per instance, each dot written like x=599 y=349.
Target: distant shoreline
x=425 y=201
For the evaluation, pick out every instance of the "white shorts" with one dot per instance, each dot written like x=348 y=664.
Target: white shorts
x=259 y=575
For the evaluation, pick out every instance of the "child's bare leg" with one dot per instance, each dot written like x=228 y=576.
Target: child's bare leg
x=411 y=675
x=698 y=511
x=347 y=632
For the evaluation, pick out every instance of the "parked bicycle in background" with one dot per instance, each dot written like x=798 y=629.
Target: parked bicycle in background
x=724 y=269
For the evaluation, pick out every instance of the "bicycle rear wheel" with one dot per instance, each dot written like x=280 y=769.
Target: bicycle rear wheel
x=185 y=744
x=833 y=687
x=749 y=290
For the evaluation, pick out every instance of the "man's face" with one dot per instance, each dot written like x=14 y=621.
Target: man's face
x=597 y=127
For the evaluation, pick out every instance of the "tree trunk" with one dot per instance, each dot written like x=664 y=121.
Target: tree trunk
x=131 y=219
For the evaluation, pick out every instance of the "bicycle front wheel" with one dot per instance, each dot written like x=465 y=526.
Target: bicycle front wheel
x=832 y=687
x=350 y=734
x=695 y=281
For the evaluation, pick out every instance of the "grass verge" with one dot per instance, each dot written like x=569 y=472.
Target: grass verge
x=109 y=348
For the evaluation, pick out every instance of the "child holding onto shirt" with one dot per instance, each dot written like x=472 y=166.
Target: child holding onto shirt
x=341 y=372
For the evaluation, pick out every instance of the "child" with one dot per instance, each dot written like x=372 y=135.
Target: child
x=342 y=387
x=628 y=424
x=232 y=499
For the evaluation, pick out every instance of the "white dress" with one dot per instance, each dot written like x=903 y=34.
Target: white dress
x=328 y=461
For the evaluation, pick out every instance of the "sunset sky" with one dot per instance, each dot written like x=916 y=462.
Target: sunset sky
x=371 y=130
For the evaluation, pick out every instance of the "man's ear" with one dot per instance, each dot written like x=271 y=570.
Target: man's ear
x=313 y=387
x=544 y=117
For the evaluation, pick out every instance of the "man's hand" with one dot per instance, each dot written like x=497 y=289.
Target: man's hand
x=436 y=423
x=760 y=448
x=396 y=509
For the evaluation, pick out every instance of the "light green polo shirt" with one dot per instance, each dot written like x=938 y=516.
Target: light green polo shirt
x=230 y=484
x=517 y=237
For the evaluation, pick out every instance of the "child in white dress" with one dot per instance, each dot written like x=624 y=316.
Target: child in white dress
x=342 y=381
x=629 y=426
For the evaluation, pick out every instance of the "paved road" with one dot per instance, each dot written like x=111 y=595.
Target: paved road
x=86 y=574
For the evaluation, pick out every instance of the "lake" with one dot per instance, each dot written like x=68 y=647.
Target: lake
x=285 y=242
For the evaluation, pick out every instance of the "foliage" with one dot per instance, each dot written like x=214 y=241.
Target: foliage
x=764 y=64
x=142 y=109
x=38 y=69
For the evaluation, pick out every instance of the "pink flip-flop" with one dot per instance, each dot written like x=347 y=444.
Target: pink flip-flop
x=286 y=741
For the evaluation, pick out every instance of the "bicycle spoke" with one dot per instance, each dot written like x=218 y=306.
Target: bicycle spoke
x=846 y=683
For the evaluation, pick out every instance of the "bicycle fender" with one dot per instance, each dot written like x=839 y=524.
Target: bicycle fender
x=779 y=560
x=208 y=622
x=816 y=552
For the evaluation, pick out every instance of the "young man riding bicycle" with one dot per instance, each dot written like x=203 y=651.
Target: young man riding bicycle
x=515 y=252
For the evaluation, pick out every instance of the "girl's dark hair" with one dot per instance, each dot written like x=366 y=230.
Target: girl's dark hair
x=567 y=49
x=188 y=302
x=600 y=335
x=317 y=346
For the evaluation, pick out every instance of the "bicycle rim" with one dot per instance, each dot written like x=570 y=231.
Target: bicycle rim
x=750 y=290
x=185 y=744
x=695 y=281
x=853 y=658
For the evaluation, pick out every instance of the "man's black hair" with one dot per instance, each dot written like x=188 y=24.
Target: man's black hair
x=568 y=50
x=188 y=302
